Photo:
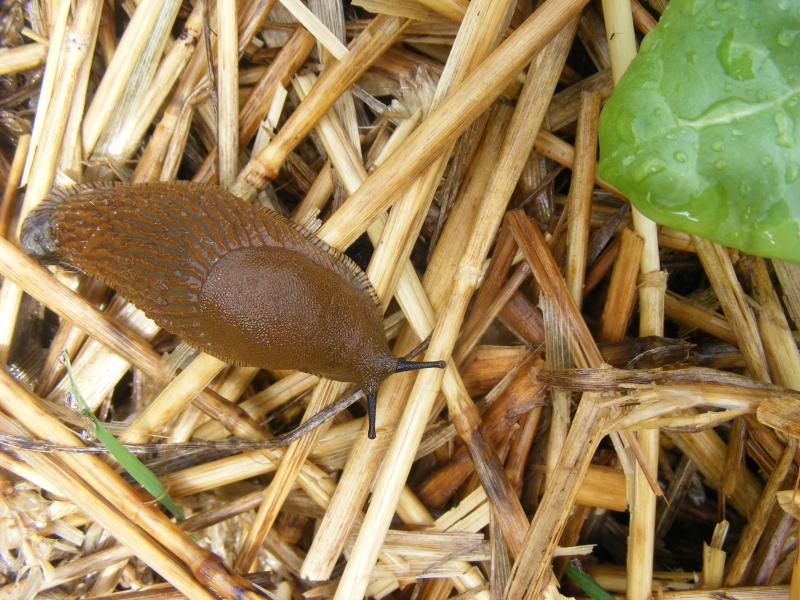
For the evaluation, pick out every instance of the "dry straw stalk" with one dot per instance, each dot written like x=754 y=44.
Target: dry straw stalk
x=238 y=96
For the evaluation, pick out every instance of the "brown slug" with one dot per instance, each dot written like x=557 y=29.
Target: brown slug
x=241 y=283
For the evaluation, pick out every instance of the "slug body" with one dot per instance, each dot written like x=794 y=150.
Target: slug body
x=235 y=281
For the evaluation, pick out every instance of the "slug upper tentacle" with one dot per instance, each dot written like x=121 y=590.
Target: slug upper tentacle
x=240 y=283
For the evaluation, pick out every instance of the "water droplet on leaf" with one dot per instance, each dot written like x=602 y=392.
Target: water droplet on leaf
x=787 y=36
x=647 y=168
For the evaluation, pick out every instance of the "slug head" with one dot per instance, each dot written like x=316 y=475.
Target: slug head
x=400 y=365
x=36 y=237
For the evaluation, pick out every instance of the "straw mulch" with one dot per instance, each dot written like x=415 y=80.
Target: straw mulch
x=595 y=415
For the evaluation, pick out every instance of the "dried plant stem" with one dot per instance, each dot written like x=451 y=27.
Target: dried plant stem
x=22 y=58
x=132 y=44
x=66 y=66
x=174 y=398
x=528 y=576
x=68 y=339
x=683 y=311
x=289 y=60
x=557 y=350
x=29 y=276
x=149 y=166
x=115 y=141
x=381 y=33
x=263 y=402
x=326 y=38
x=554 y=148
x=452 y=9
x=622 y=47
x=401 y=452
x=707 y=450
x=51 y=71
x=621 y=296
x=471 y=98
x=178 y=110
x=770 y=592
x=60 y=476
x=779 y=344
x=483 y=24
x=170 y=69
x=331 y=13
x=602 y=265
x=12 y=183
x=740 y=559
x=718 y=267
x=317 y=196
x=392 y=250
x=643 y=20
x=480 y=320
x=583 y=348
x=714 y=557
x=27 y=408
x=789 y=277
x=293 y=459
x=228 y=93
x=580 y=194
x=531 y=571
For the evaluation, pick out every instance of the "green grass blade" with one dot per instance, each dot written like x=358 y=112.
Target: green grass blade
x=587 y=584
x=132 y=465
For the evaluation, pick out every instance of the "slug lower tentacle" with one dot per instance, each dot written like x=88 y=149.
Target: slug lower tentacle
x=238 y=282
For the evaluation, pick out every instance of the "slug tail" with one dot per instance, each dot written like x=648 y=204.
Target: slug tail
x=408 y=365
x=371 y=401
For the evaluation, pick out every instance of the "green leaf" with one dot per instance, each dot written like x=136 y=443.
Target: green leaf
x=132 y=465
x=703 y=131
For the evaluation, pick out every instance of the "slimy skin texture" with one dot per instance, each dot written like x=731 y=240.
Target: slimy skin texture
x=308 y=335
x=237 y=282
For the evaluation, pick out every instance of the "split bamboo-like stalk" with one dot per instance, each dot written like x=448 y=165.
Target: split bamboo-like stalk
x=381 y=33
x=622 y=47
x=719 y=268
x=36 y=281
x=112 y=487
x=621 y=296
x=779 y=344
x=49 y=80
x=471 y=98
x=740 y=559
x=356 y=174
x=321 y=147
x=122 y=64
x=394 y=249
x=398 y=459
x=10 y=191
x=326 y=38
x=22 y=58
x=228 y=93
x=174 y=398
x=580 y=194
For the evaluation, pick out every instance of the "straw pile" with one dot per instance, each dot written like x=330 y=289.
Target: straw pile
x=460 y=137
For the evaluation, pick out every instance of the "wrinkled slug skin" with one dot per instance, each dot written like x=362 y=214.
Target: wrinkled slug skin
x=235 y=281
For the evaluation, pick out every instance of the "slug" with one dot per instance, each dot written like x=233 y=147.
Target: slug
x=241 y=283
